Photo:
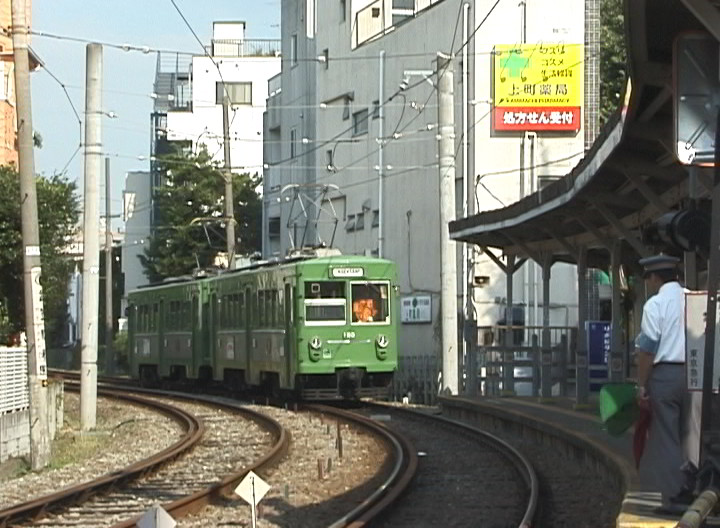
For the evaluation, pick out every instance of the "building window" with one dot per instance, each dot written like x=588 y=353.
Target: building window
x=376 y=218
x=376 y=109
x=237 y=92
x=360 y=221
x=293 y=50
x=326 y=55
x=274 y=226
x=360 y=122
x=346 y=109
x=350 y=224
x=343 y=10
x=293 y=143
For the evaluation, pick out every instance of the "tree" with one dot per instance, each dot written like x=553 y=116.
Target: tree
x=189 y=227
x=58 y=213
x=613 y=57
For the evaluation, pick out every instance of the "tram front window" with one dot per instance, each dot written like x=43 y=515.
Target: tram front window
x=370 y=303
x=325 y=303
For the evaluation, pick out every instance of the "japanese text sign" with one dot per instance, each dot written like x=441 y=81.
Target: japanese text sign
x=538 y=87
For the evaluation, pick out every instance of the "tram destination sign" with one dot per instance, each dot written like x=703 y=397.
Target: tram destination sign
x=344 y=273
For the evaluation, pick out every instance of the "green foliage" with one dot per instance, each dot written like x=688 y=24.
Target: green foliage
x=58 y=213
x=189 y=228
x=613 y=57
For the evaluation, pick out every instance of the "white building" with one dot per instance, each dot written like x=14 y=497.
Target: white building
x=196 y=116
x=356 y=107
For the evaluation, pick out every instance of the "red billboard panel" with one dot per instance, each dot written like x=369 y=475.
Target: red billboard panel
x=547 y=119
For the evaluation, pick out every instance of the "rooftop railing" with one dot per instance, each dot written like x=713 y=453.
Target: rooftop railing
x=245 y=48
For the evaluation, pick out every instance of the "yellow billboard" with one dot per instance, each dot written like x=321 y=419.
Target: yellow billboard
x=538 y=86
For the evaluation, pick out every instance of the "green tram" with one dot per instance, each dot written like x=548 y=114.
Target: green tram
x=323 y=328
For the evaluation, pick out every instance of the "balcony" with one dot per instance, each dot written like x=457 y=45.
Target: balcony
x=245 y=48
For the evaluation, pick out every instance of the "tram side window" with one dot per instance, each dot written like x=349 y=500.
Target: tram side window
x=325 y=302
x=261 y=308
x=370 y=303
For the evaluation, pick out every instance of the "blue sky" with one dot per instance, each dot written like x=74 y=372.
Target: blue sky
x=128 y=76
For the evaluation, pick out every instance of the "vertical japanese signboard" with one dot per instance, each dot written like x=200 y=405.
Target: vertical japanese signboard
x=695 y=315
x=538 y=87
x=598 y=334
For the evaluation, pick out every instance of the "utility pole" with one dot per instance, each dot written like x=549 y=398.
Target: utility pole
x=229 y=208
x=381 y=143
x=448 y=258
x=34 y=318
x=109 y=359
x=91 y=236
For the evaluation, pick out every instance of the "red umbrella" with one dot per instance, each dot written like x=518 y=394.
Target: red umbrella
x=642 y=425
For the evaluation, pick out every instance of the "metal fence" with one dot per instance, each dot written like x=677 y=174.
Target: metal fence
x=246 y=47
x=14 y=395
x=498 y=365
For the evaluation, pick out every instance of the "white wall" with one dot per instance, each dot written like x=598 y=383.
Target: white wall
x=204 y=124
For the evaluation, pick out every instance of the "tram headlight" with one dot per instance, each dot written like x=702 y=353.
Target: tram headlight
x=315 y=344
x=381 y=344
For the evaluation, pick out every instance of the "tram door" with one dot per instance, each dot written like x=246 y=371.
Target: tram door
x=250 y=308
x=289 y=333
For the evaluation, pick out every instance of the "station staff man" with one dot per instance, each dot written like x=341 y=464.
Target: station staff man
x=660 y=357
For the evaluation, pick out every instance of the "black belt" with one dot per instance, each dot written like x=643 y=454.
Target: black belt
x=669 y=363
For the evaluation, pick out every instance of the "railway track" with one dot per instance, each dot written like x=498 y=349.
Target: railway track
x=178 y=484
x=465 y=477
x=126 y=493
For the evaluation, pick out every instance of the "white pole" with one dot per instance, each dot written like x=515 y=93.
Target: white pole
x=467 y=269
x=91 y=235
x=381 y=140
x=252 y=505
x=40 y=448
x=448 y=259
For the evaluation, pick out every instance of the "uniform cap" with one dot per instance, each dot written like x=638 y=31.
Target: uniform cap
x=658 y=263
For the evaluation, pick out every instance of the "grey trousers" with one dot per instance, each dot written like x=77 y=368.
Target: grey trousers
x=674 y=436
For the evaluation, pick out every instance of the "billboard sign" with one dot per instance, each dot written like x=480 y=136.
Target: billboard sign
x=538 y=87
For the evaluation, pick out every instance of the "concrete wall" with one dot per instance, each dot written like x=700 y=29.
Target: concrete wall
x=15 y=426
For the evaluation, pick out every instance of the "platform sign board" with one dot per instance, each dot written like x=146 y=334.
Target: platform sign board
x=696 y=93
x=538 y=87
x=416 y=309
x=695 y=312
x=598 y=335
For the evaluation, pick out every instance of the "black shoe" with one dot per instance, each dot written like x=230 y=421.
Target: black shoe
x=685 y=497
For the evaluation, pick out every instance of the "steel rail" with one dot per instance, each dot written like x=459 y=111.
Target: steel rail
x=226 y=486
x=38 y=507
x=400 y=476
x=515 y=457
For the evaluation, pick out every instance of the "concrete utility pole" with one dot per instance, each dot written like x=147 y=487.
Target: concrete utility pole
x=109 y=359
x=229 y=206
x=448 y=258
x=381 y=143
x=34 y=318
x=91 y=236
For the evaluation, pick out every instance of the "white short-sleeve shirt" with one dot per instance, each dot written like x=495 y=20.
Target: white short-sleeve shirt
x=662 y=331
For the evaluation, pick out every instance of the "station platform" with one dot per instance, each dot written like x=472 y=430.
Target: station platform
x=559 y=413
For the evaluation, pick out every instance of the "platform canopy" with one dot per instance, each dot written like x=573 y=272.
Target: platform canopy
x=630 y=176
